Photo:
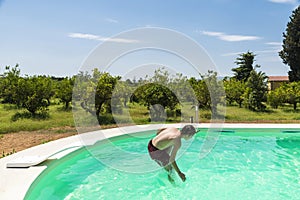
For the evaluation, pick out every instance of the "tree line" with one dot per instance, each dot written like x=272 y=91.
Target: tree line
x=102 y=95
x=34 y=92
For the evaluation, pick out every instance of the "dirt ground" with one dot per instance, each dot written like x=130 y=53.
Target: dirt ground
x=15 y=142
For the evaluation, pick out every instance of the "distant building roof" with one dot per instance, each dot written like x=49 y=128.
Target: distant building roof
x=278 y=78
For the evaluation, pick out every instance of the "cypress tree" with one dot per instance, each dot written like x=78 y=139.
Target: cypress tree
x=290 y=54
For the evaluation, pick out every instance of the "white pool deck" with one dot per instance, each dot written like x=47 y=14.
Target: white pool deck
x=14 y=182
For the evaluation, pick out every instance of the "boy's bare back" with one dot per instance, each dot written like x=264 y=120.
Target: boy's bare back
x=166 y=138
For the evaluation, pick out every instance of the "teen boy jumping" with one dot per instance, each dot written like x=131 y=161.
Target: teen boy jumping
x=164 y=146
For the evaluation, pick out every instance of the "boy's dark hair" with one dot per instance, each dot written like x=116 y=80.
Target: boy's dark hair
x=188 y=130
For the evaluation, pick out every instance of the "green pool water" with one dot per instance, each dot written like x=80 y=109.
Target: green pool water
x=244 y=164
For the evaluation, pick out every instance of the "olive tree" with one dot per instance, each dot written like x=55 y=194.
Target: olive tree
x=156 y=98
x=95 y=93
x=8 y=84
x=234 y=90
x=33 y=93
x=291 y=93
x=64 y=91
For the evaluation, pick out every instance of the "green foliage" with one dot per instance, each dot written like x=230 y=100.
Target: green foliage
x=23 y=120
x=290 y=54
x=95 y=93
x=64 y=91
x=291 y=93
x=286 y=93
x=234 y=90
x=216 y=90
x=209 y=91
x=163 y=94
x=161 y=76
x=158 y=98
x=284 y=114
x=27 y=115
x=256 y=91
x=81 y=87
x=276 y=98
x=181 y=87
x=245 y=63
x=34 y=93
x=104 y=90
x=122 y=94
x=202 y=93
x=9 y=84
x=7 y=154
x=177 y=83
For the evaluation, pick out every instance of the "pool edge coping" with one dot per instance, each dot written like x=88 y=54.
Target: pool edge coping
x=15 y=182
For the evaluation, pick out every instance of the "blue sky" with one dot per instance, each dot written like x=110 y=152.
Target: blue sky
x=55 y=37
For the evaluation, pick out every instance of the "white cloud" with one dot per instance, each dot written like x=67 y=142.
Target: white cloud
x=83 y=36
x=112 y=20
x=237 y=38
x=274 y=43
x=229 y=38
x=100 y=38
x=211 y=33
x=284 y=1
x=232 y=54
x=275 y=46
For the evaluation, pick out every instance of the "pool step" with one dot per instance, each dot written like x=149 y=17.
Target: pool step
x=224 y=131
x=290 y=131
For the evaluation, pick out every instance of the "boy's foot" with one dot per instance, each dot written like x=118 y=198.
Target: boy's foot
x=170 y=179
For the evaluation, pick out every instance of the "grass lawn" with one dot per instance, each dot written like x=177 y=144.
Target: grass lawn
x=16 y=135
x=284 y=114
x=59 y=118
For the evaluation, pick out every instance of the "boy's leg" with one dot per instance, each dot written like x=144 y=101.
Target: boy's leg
x=169 y=168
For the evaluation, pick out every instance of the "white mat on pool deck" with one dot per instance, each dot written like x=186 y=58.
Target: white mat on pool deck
x=26 y=161
x=29 y=161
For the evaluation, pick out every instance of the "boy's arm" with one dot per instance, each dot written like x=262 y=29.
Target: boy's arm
x=177 y=145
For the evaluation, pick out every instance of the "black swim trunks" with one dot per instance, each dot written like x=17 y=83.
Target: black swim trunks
x=160 y=156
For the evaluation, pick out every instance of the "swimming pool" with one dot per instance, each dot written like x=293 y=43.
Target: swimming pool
x=244 y=164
